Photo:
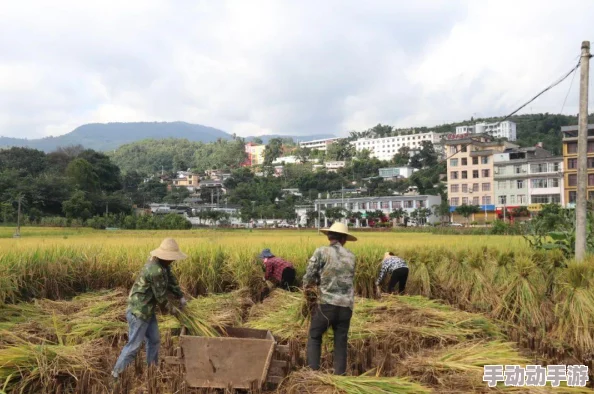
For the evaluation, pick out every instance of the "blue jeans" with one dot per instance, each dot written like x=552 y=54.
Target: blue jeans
x=138 y=331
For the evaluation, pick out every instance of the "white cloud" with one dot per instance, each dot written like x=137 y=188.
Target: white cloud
x=281 y=67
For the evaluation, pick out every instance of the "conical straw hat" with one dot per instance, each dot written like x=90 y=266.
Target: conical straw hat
x=340 y=228
x=169 y=251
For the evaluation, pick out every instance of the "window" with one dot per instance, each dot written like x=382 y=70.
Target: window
x=521 y=199
x=464 y=174
x=454 y=175
x=591 y=195
x=475 y=187
x=572 y=180
x=520 y=183
x=501 y=185
x=486 y=187
x=537 y=168
x=362 y=205
x=572 y=163
x=486 y=200
x=590 y=147
x=512 y=199
x=464 y=148
x=590 y=179
x=475 y=161
x=373 y=205
x=384 y=205
x=396 y=204
x=517 y=169
x=464 y=200
x=572 y=147
x=546 y=199
x=420 y=204
x=485 y=160
x=454 y=188
x=555 y=167
x=590 y=162
x=464 y=161
x=452 y=150
x=502 y=200
x=465 y=188
x=408 y=204
x=572 y=197
x=485 y=173
x=475 y=174
x=454 y=201
x=475 y=201
x=501 y=170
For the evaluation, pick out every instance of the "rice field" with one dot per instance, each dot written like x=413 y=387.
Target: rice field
x=471 y=301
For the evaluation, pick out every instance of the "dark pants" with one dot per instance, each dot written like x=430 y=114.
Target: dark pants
x=288 y=278
x=400 y=276
x=325 y=316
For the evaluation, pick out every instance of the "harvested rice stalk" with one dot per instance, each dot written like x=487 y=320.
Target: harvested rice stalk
x=319 y=383
x=460 y=366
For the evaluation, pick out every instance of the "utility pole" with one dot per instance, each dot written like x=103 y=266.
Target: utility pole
x=582 y=174
x=18 y=230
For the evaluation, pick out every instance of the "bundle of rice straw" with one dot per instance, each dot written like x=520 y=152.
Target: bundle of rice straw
x=320 y=383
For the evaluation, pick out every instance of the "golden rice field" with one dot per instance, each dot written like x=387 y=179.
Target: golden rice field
x=472 y=300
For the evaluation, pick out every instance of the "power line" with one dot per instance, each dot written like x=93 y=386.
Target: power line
x=568 y=91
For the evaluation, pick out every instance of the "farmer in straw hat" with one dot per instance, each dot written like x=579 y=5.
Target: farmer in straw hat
x=149 y=291
x=331 y=269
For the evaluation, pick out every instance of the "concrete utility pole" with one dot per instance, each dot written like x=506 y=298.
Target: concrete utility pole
x=18 y=230
x=582 y=173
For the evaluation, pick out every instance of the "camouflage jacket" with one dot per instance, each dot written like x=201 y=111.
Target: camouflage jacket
x=332 y=269
x=150 y=289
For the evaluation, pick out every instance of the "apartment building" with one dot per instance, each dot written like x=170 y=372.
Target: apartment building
x=396 y=172
x=255 y=154
x=570 y=134
x=470 y=170
x=318 y=144
x=386 y=204
x=505 y=129
x=385 y=148
x=527 y=177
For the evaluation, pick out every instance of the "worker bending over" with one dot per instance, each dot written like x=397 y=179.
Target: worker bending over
x=149 y=291
x=331 y=269
x=278 y=272
x=398 y=270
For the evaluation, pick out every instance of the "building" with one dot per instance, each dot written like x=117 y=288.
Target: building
x=527 y=177
x=396 y=172
x=187 y=179
x=255 y=154
x=318 y=144
x=570 y=134
x=333 y=166
x=387 y=204
x=506 y=129
x=470 y=173
x=385 y=148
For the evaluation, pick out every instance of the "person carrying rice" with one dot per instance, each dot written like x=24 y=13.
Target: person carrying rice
x=278 y=272
x=150 y=290
x=398 y=270
x=331 y=269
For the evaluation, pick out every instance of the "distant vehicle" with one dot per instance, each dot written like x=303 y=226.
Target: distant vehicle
x=454 y=224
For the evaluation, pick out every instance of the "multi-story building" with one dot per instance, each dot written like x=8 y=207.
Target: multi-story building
x=386 y=204
x=570 y=134
x=187 y=179
x=255 y=154
x=318 y=144
x=527 y=177
x=333 y=166
x=505 y=129
x=385 y=148
x=470 y=173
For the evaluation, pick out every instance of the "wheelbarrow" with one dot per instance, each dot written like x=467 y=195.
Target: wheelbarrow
x=243 y=359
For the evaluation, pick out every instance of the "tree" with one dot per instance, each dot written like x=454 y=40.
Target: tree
x=416 y=162
x=467 y=210
x=335 y=213
x=273 y=151
x=257 y=140
x=24 y=160
x=402 y=158
x=340 y=150
x=427 y=154
x=442 y=210
x=107 y=173
x=82 y=175
x=422 y=214
x=77 y=207
x=398 y=214
x=303 y=154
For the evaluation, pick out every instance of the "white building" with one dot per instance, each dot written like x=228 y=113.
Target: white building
x=396 y=172
x=318 y=144
x=505 y=129
x=333 y=166
x=385 y=148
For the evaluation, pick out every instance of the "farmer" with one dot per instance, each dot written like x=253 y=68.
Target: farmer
x=331 y=269
x=278 y=272
x=149 y=291
x=398 y=270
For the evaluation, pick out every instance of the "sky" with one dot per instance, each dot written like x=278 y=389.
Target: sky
x=296 y=67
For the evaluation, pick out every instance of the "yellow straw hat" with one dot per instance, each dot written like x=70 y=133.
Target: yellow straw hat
x=169 y=251
x=340 y=228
